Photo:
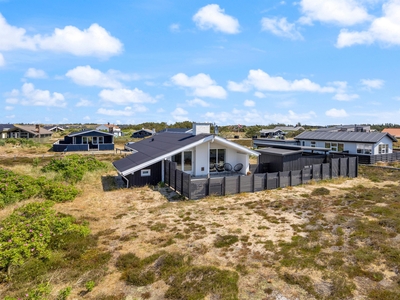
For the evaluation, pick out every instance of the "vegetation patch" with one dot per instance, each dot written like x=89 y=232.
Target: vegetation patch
x=15 y=187
x=185 y=280
x=71 y=168
x=225 y=240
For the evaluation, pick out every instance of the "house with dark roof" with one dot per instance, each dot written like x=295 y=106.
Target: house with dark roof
x=5 y=129
x=199 y=154
x=54 y=128
x=111 y=128
x=348 y=128
x=177 y=130
x=29 y=132
x=85 y=140
x=142 y=133
x=369 y=143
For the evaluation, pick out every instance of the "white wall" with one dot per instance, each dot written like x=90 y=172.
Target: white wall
x=201 y=160
x=201 y=128
x=385 y=140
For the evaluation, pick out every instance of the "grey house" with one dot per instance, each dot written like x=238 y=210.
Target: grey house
x=369 y=143
x=86 y=140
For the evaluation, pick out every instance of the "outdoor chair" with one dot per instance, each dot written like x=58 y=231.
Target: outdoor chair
x=213 y=168
x=228 y=167
x=238 y=167
x=220 y=168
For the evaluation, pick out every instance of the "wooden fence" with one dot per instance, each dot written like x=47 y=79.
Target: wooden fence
x=193 y=188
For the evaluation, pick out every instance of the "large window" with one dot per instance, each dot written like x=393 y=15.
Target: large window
x=183 y=159
x=187 y=161
x=178 y=159
x=334 y=146
x=217 y=156
x=383 y=148
x=313 y=144
x=364 y=148
x=98 y=140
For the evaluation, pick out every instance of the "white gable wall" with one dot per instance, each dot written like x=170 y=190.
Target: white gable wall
x=201 y=159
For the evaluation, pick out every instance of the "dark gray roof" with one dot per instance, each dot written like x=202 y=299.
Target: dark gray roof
x=87 y=131
x=176 y=130
x=279 y=151
x=161 y=144
x=6 y=127
x=356 y=137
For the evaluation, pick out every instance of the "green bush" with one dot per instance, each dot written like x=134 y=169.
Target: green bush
x=73 y=167
x=27 y=232
x=320 y=192
x=15 y=187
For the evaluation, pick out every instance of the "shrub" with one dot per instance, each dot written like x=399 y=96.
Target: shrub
x=225 y=240
x=27 y=232
x=320 y=192
x=72 y=167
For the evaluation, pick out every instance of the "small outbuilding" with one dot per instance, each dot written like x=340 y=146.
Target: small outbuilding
x=142 y=133
x=87 y=140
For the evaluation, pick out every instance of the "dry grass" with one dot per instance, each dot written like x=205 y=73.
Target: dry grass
x=283 y=243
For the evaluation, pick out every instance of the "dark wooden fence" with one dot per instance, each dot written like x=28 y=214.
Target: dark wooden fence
x=372 y=159
x=193 y=188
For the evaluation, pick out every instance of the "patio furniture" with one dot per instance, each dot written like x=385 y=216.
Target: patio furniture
x=213 y=168
x=228 y=167
x=220 y=168
x=238 y=167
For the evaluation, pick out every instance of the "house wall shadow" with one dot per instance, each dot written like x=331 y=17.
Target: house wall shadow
x=111 y=183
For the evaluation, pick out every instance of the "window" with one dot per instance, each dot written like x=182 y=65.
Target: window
x=364 y=148
x=187 y=161
x=340 y=147
x=145 y=172
x=313 y=144
x=383 y=148
x=327 y=145
x=217 y=156
x=334 y=147
x=178 y=159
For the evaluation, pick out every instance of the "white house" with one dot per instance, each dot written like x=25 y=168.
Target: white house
x=198 y=153
x=111 y=128
x=370 y=143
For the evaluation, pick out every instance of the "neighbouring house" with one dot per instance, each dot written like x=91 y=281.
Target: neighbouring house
x=142 y=133
x=4 y=130
x=177 y=130
x=370 y=143
x=86 y=140
x=199 y=154
x=29 y=132
x=347 y=128
x=111 y=128
x=279 y=131
x=54 y=128
x=393 y=131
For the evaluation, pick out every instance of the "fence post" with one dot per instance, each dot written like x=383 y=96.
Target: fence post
x=240 y=184
x=302 y=175
x=182 y=183
x=224 y=183
x=279 y=180
x=190 y=187
x=254 y=183
x=208 y=181
x=175 y=179
x=266 y=181
x=290 y=178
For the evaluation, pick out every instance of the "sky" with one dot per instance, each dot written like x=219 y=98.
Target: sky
x=315 y=62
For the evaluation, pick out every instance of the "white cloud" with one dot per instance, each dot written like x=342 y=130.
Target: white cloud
x=12 y=37
x=85 y=75
x=31 y=96
x=125 y=96
x=385 y=29
x=175 y=27
x=35 y=73
x=83 y=103
x=10 y=116
x=345 y=97
x=197 y=102
x=2 y=60
x=290 y=118
x=201 y=84
x=9 y=108
x=259 y=95
x=93 y=41
x=281 y=27
x=86 y=118
x=249 y=103
x=238 y=87
x=262 y=81
x=213 y=17
x=180 y=115
x=341 y=12
x=372 y=83
x=127 y=112
x=336 y=113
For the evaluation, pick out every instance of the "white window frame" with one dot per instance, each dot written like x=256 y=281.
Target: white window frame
x=145 y=172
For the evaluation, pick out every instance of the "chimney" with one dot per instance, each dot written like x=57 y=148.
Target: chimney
x=199 y=128
x=37 y=128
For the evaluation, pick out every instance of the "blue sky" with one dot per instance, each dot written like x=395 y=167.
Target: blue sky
x=316 y=62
